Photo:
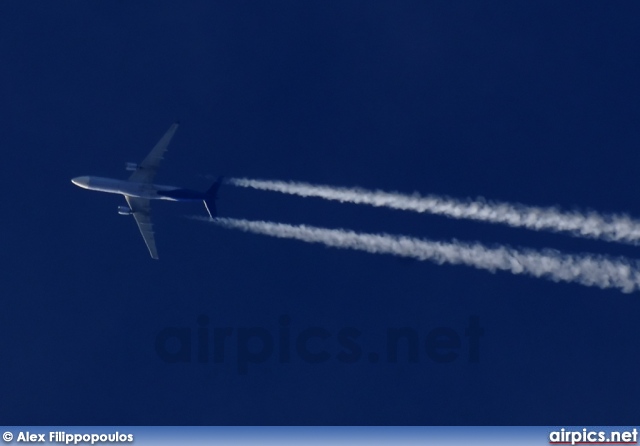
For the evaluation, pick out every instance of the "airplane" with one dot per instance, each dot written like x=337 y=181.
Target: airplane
x=139 y=190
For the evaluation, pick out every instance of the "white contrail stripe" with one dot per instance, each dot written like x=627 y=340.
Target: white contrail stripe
x=589 y=270
x=618 y=228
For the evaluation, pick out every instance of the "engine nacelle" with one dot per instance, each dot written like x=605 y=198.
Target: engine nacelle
x=131 y=166
x=125 y=210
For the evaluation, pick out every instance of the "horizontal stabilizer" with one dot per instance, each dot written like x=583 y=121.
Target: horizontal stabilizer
x=212 y=192
x=210 y=206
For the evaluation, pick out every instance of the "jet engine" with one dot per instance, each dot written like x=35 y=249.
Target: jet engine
x=131 y=166
x=125 y=210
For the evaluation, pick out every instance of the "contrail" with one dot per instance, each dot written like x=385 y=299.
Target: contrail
x=589 y=270
x=616 y=228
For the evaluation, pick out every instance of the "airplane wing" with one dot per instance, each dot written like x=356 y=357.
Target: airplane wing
x=142 y=213
x=147 y=168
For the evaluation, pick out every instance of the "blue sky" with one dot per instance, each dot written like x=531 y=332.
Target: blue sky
x=530 y=102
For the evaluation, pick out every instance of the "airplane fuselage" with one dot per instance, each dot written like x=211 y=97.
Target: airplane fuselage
x=139 y=189
x=136 y=189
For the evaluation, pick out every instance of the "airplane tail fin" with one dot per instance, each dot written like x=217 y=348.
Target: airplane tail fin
x=211 y=196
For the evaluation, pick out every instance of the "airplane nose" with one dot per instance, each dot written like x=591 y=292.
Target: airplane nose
x=81 y=181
